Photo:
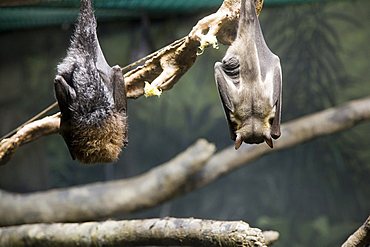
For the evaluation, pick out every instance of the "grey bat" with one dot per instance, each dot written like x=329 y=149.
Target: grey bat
x=249 y=82
x=91 y=96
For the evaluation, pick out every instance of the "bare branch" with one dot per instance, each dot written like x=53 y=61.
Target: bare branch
x=294 y=132
x=101 y=200
x=270 y=237
x=162 y=232
x=361 y=237
x=167 y=65
x=29 y=132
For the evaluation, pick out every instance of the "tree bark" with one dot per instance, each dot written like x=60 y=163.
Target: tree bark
x=162 y=232
x=361 y=237
x=100 y=200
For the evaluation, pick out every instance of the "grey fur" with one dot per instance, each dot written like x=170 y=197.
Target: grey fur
x=91 y=96
x=249 y=83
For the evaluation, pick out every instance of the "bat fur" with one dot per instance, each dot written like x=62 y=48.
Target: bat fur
x=91 y=96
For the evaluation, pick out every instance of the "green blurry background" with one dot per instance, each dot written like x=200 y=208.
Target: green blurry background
x=314 y=194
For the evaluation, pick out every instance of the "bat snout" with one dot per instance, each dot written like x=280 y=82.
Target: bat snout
x=254 y=140
x=260 y=139
x=251 y=139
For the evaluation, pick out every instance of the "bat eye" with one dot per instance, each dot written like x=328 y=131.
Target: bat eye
x=271 y=120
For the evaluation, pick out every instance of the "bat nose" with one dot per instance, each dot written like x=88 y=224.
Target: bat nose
x=256 y=132
x=254 y=139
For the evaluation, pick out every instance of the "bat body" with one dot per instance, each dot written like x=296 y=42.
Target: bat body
x=91 y=96
x=249 y=83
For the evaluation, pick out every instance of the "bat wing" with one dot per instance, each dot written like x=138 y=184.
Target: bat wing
x=270 y=63
x=277 y=98
x=113 y=79
x=101 y=64
x=64 y=93
x=224 y=92
x=119 y=91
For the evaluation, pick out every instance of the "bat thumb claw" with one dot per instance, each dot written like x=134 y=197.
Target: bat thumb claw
x=268 y=140
x=238 y=141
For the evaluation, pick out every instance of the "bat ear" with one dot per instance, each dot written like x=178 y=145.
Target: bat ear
x=268 y=140
x=277 y=98
x=64 y=93
x=238 y=141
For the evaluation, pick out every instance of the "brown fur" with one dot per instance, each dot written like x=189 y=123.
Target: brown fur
x=100 y=144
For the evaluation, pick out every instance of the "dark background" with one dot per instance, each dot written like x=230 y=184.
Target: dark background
x=314 y=194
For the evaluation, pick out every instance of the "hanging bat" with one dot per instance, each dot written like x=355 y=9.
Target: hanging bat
x=249 y=83
x=91 y=96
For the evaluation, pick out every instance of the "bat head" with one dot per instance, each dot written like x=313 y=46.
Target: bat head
x=256 y=126
x=95 y=143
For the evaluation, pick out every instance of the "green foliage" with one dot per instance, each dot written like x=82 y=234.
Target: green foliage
x=309 y=45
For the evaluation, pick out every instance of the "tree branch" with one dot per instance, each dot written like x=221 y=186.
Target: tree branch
x=29 y=132
x=162 y=232
x=270 y=237
x=294 y=132
x=167 y=65
x=101 y=200
x=361 y=237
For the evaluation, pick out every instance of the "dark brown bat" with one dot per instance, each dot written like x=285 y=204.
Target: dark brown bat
x=249 y=83
x=91 y=96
